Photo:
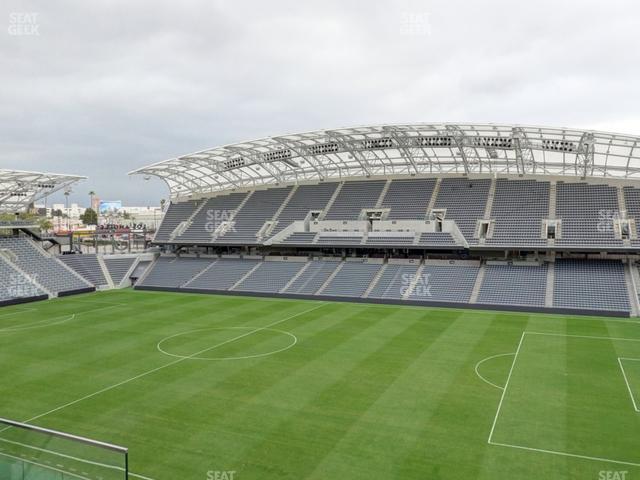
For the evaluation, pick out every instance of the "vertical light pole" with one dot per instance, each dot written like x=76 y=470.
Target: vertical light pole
x=67 y=192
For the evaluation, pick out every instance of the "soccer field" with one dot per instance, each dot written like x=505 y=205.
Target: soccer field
x=199 y=387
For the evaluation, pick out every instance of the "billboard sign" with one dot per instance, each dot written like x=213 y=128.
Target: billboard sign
x=110 y=207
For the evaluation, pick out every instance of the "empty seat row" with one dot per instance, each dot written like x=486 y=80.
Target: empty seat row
x=353 y=197
x=305 y=199
x=579 y=284
x=118 y=267
x=87 y=266
x=176 y=213
x=315 y=274
x=394 y=282
x=261 y=207
x=519 y=207
x=464 y=201
x=222 y=274
x=210 y=216
x=270 y=277
x=352 y=280
x=43 y=268
x=587 y=212
x=591 y=285
x=14 y=285
x=514 y=285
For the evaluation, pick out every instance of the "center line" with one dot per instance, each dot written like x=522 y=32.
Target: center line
x=175 y=362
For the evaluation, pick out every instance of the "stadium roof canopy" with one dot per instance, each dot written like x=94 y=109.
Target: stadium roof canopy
x=401 y=150
x=19 y=189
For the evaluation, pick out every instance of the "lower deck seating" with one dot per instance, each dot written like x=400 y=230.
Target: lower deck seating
x=394 y=281
x=174 y=272
x=88 y=266
x=591 y=285
x=118 y=267
x=579 y=284
x=14 y=285
x=312 y=278
x=514 y=285
x=270 y=277
x=352 y=280
x=223 y=274
x=43 y=268
x=445 y=283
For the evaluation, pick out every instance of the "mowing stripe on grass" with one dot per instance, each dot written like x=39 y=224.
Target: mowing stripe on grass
x=86 y=397
x=175 y=362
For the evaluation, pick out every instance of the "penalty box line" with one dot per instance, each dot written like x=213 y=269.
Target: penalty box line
x=626 y=380
x=554 y=452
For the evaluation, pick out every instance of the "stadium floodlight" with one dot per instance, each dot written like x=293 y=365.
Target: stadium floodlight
x=30 y=452
x=19 y=189
x=397 y=150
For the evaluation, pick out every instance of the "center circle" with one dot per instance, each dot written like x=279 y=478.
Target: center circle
x=195 y=344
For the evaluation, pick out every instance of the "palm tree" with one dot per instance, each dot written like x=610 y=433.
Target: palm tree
x=91 y=195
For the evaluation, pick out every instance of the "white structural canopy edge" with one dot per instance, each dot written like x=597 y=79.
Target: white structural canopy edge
x=19 y=189
x=412 y=149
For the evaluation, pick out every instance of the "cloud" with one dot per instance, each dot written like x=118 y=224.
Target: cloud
x=110 y=86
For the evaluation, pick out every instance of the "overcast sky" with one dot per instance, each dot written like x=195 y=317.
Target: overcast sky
x=99 y=88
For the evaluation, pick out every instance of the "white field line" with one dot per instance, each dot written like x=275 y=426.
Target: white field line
x=63 y=455
x=626 y=380
x=18 y=312
x=179 y=360
x=583 y=336
x=93 y=302
x=258 y=355
x=489 y=358
x=161 y=367
x=49 y=467
x=553 y=452
x=564 y=454
x=65 y=319
x=137 y=475
x=38 y=324
x=504 y=390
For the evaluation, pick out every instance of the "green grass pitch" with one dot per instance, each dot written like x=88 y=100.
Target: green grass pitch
x=198 y=386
